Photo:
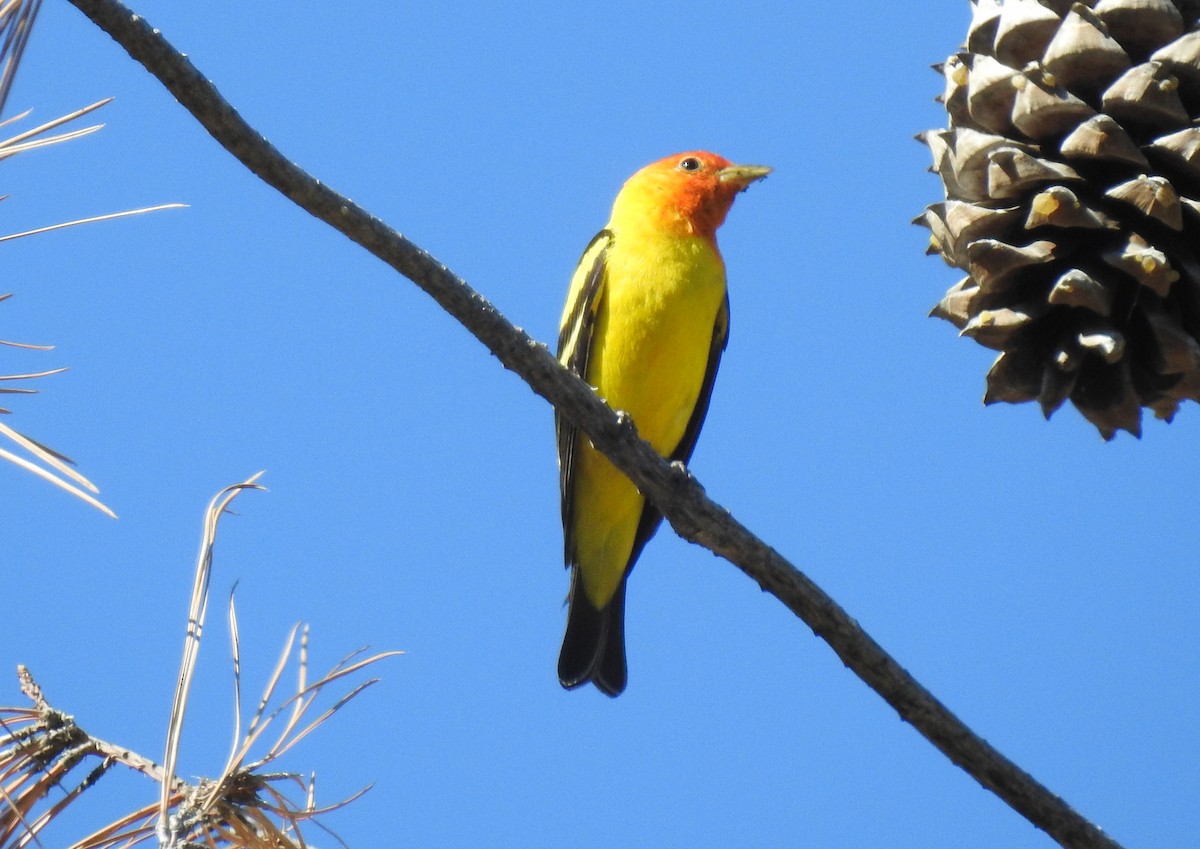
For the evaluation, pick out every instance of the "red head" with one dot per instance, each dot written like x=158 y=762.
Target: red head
x=685 y=194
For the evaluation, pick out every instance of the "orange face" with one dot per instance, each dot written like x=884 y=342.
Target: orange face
x=690 y=191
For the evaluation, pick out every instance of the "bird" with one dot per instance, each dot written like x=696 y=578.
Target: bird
x=645 y=323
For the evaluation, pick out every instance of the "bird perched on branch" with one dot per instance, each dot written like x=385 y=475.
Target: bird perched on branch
x=645 y=322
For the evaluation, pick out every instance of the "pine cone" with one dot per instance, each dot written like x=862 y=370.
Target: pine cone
x=1072 y=175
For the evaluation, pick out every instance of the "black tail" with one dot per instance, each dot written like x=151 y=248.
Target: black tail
x=593 y=647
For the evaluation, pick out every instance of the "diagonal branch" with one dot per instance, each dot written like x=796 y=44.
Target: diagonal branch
x=680 y=498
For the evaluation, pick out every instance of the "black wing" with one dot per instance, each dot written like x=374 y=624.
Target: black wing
x=575 y=337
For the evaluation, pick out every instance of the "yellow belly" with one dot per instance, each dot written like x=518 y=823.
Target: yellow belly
x=649 y=357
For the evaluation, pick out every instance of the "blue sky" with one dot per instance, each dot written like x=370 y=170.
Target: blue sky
x=1044 y=584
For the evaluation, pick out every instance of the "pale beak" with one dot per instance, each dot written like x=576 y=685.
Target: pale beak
x=742 y=175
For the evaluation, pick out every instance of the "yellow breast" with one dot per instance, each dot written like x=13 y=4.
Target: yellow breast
x=655 y=331
x=649 y=357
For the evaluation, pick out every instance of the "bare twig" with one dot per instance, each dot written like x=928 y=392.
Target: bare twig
x=681 y=499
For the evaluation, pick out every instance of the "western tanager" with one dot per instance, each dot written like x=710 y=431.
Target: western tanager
x=645 y=322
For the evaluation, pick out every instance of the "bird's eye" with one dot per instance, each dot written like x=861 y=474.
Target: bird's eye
x=690 y=164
